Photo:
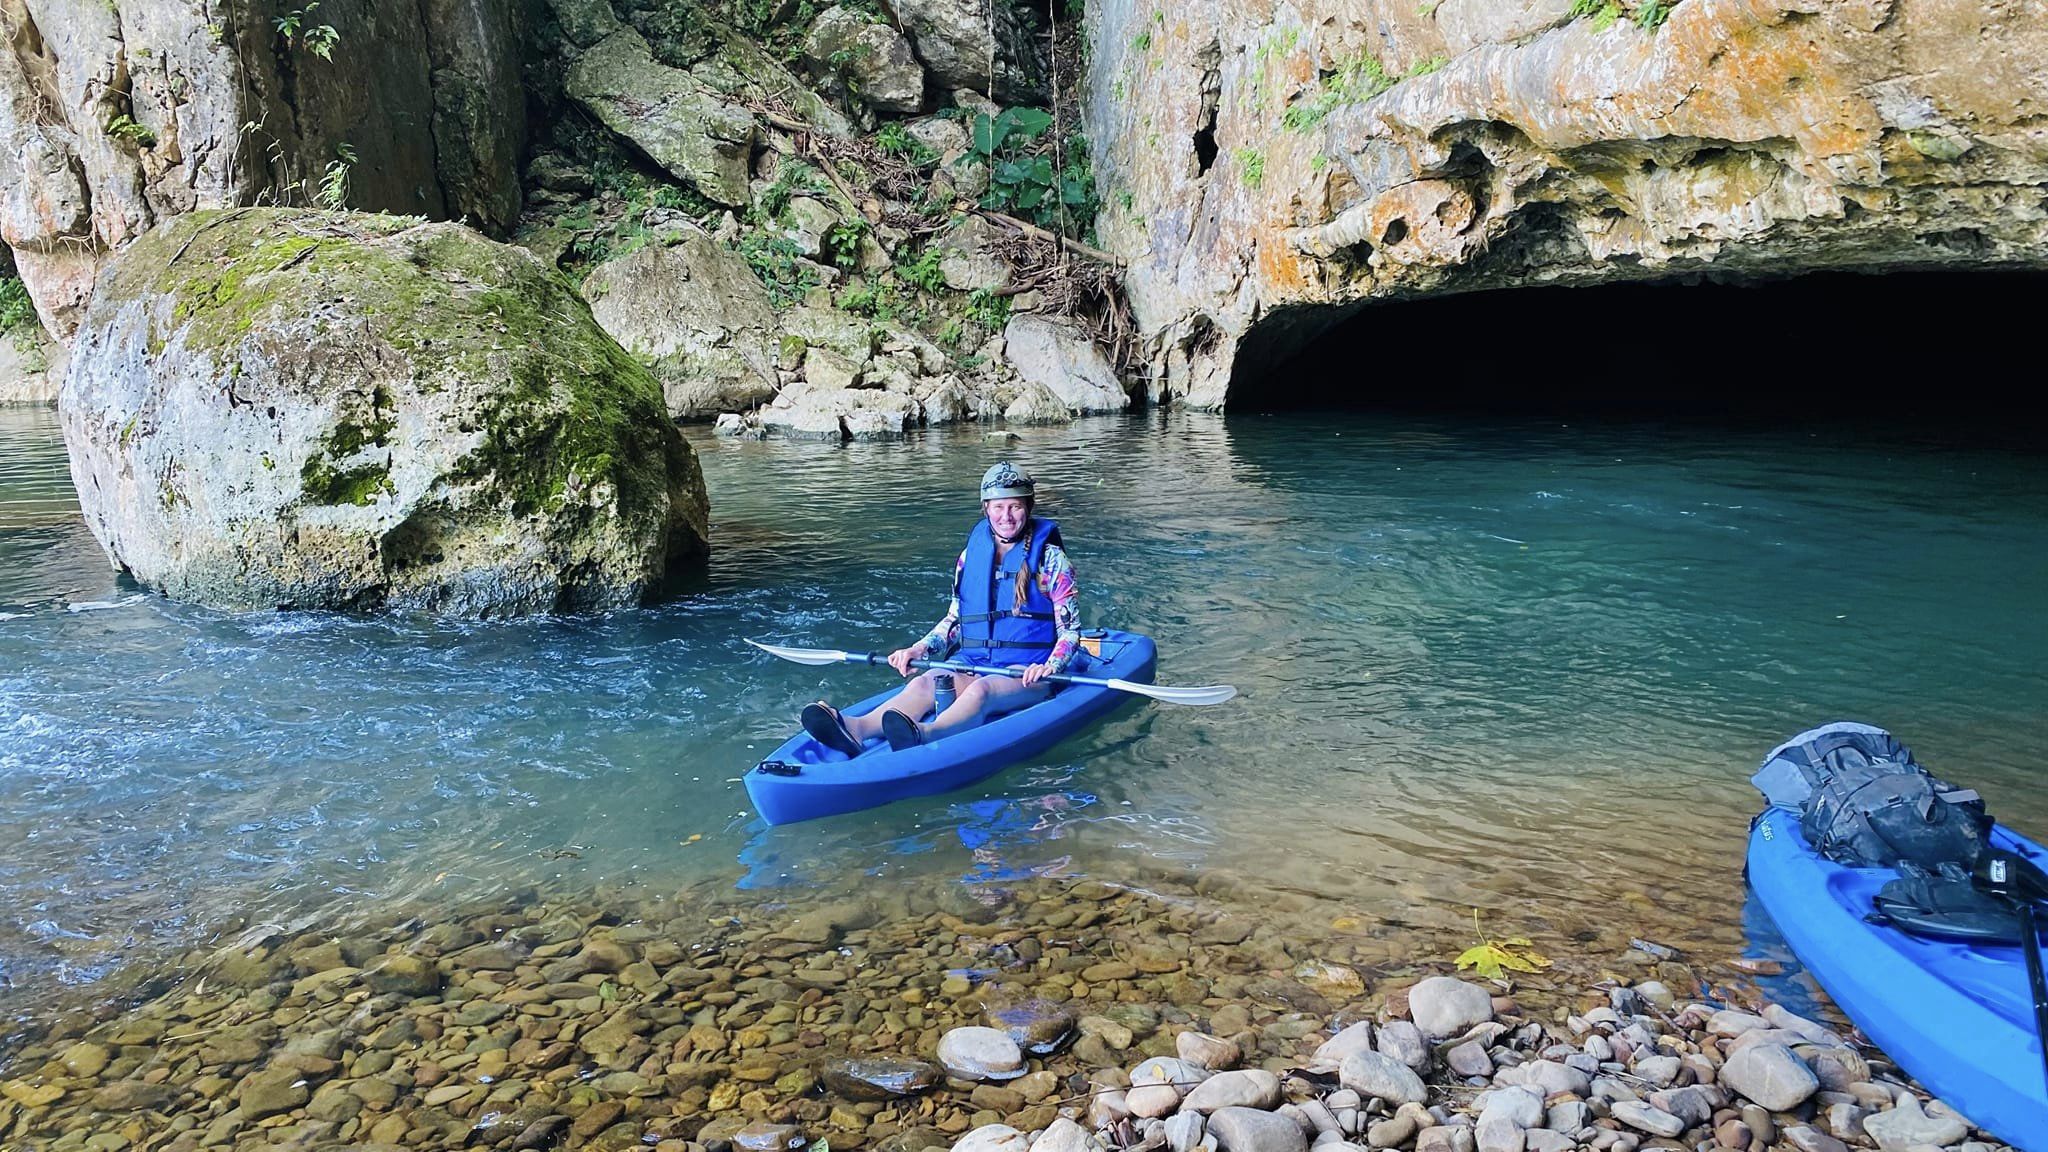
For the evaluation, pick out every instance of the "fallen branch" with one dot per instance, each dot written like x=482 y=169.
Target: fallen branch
x=1074 y=246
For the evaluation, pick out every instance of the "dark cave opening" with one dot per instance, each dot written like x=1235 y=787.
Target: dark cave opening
x=1942 y=347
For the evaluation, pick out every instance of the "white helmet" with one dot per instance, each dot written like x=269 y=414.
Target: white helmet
x=1007 y=481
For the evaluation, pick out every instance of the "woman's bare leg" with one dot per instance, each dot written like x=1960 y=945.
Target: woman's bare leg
x=991 y=695
x=914 y=701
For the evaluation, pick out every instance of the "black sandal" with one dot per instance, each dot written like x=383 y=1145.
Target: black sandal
x=828 y=728
x=900 y=731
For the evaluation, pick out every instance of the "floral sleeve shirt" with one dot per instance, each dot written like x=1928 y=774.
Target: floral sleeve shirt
x=1055 y=579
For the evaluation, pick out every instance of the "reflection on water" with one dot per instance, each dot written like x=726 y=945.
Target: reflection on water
x=1521 y=667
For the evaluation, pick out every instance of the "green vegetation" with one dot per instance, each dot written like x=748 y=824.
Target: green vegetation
x=894 y=140
x=841 y=242
x=124 y=128
x=988 y=309
x=298 y=31
x=879 y=300
x=1355 y=82
x=779 y=264
x=1142 y=42
x=1252 y=163
x=794 y=177
x=1021 y=177
x=17 y=311
x=333 y=193
x=1649 y=15
x=922 y=271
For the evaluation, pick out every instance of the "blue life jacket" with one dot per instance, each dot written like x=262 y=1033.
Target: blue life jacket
x=994 y=628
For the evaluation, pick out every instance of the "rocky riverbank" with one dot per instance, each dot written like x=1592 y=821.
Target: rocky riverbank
x=1066 y=1016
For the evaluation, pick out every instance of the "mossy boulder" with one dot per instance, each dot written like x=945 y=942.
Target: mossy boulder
x=301 y=409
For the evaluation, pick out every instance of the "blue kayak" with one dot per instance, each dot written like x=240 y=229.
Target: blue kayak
x=803 y=780
x=1956 y=1016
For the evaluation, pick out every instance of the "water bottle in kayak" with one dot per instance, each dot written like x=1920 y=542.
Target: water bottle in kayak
x=942 y=693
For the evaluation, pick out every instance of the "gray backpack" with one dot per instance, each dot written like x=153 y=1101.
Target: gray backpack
x=1866 y=803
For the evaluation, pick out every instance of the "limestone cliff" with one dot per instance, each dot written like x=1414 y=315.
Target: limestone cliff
x=1273 y=167
x=118 y=114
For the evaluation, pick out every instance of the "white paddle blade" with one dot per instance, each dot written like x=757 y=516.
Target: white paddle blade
x=1194 y=697
x=816 y=657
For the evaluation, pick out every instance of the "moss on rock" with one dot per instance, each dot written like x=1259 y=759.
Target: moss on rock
x=435 y=417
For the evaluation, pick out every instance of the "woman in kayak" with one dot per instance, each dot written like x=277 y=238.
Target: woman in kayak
x=1014 y=605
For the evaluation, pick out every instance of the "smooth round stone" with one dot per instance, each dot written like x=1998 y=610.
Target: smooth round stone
x=1771 y=1075
x=1247 y=1088
x=1655 y=1121
x=1168 y=1070
x=975 y=1053
x=1356 y=1038
x=1208 y=1051
x=1445 y=1006
x=1371 y=1074
x=1403 y=1041
x=1253 y=1130
x=1063 y=1136
x=992 y=1138
x=87 y=1059
x=1152 y=1100
x=1038 y=1026
x=762 y=1136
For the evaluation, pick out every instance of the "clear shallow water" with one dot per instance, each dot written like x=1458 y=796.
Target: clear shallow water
x=1521 y=666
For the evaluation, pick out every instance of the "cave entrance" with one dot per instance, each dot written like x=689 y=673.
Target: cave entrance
x=1946 y=346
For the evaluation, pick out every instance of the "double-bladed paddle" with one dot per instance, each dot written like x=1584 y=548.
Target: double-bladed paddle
x=1210 y=694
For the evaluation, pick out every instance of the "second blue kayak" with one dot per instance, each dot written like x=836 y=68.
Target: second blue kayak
x=1955 y=1015
x=803 y=780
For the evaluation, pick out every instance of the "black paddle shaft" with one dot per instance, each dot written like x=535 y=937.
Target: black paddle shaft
x=2035 y=982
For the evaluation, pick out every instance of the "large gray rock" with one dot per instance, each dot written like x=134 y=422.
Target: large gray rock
x=1065 y=361
x=1245 y=1088
x=697 y=316
x=118 y=117
x=1907 y=1125
x=1771 y=1075
x=957 y=38
x=679 y=121
x=272 y=407
x=966 y=260
x=865 y=59
x=1253 y=1130
x=1445 y=1006
x=1371 y=1074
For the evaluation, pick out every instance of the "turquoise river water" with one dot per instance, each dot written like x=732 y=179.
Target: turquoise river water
x=1516 y=665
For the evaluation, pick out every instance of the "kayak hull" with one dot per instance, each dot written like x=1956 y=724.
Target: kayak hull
x=828 y=783
x=1957 y=1016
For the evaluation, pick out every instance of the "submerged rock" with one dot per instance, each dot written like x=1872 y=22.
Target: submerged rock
x=877 y=1078
x=278 y=408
